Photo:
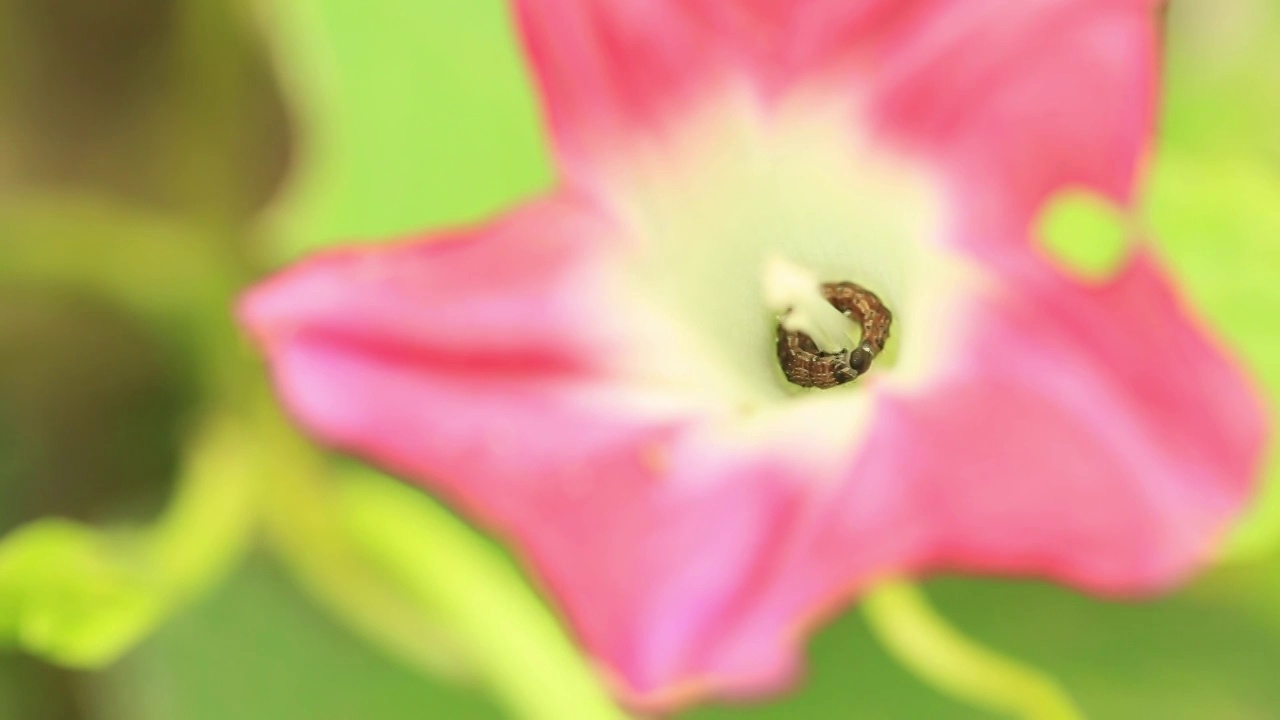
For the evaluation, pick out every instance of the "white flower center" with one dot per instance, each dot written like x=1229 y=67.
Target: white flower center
x=745 y=214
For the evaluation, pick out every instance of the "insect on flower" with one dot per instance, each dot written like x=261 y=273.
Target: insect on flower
x=806 y=365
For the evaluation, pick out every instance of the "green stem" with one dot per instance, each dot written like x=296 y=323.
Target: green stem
x=901 y=617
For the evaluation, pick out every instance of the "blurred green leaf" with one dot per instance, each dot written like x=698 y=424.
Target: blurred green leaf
x=257 y=648
x=411 y=115
x=79 y=596
x=73 y=595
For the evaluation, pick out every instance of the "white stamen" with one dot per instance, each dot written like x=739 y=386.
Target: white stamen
x=788 y=286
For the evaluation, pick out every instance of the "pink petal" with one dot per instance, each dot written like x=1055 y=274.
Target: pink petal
x=514 y=303
x=1022 y=99
x=1016 y=100
x=1088 y=435
x=1129 y=441
x=1091 y=435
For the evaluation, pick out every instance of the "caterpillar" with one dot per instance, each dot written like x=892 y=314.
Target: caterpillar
x=807 y=366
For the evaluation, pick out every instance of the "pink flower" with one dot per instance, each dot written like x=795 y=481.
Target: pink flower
x=593 y=375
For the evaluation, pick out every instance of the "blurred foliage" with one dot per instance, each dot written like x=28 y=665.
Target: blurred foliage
x=143 y=142
x=166 y=103
x=1214 y=195
x=474 y=592
x=81 y=596
x=411 y=115
x=61 y=423
x=255 y=650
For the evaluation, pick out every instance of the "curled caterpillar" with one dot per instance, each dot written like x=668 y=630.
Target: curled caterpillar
x=807 y=366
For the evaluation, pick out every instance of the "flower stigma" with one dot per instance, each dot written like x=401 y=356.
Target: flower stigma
x=795 y=294
x=801 y=359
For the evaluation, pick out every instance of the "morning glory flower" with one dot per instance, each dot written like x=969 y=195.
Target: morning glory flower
x=595 y=376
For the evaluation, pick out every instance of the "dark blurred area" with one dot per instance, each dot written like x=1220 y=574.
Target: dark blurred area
x=169 y=106
x=166 y=105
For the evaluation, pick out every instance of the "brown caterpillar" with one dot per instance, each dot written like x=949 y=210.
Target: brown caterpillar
x=807 y=366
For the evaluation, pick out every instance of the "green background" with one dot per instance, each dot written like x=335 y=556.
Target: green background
x=187 y=129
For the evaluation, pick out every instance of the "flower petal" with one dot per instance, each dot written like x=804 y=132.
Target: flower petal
x=512 y=297
x=1088 y=435
x=1128 y=442
x=616 y=71
x=391 y=353
x=1017 y=99
x=1020 y=100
